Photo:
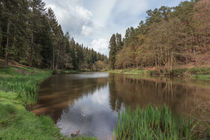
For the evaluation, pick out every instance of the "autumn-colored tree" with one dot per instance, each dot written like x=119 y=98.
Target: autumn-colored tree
x=202 y=24
x=169 y=36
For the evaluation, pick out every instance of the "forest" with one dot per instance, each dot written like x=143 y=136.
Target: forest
x=31 y=35
x=169 y=37
x=154 y=85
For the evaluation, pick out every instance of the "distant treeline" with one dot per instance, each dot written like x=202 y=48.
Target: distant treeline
x=169 y=36
x=31 y=35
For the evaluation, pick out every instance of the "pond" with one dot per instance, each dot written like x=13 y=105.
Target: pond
x=90 y=102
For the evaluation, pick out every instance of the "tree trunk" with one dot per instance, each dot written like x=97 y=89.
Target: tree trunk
x=31 y=49
x=171 y=62
x=7 y=45
x=53 y=61
x=58 y=58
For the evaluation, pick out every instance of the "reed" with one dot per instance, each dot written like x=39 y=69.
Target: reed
x=18 y=88
x=153 y=123
x=24 y=84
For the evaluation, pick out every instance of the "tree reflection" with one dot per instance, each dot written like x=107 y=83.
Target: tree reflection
x=60 y=91
x=129 y=91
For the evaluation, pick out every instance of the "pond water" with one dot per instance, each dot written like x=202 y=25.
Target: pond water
x=90 y=102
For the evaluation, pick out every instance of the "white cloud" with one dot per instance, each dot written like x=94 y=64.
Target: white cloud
x=73 y=17
x=86 y=30
x=91 y=22
x=82 y=13
x=132 y=8
x=100 y=45
x=102 y=11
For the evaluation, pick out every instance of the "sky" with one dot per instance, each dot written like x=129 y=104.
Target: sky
x=92 y=22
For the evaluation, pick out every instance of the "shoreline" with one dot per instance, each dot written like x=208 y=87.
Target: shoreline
x=14 y=116
x=19 y=88
x=193 y=73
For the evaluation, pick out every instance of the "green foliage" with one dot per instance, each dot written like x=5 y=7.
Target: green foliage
x=19 y=87
x=17 y=123
x=115 y=45
x=31 y=35
x=153 y=123
x=23 y=81
x=113 y=51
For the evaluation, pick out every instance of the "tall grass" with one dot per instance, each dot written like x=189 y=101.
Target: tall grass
x=153 y=123
x=19 y=87
x=24 y=84
x=16 y=123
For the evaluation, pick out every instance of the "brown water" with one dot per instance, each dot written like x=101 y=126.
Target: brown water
x=89 y=102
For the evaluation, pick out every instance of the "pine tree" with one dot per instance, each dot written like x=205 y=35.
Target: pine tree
x=113 y=51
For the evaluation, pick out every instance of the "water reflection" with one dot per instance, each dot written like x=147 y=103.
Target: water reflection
x=181 y=98
x=91 y=114
x=60 y=91
x=89 y=102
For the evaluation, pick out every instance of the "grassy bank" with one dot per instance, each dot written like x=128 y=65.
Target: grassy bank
x=132 y=71
x=23 y=82
x=154 y=124
x=18 y=88
x=71 y=71
x=197 y=73
x=200 y=73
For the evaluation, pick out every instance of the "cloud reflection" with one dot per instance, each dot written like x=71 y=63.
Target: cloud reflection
x=90 y=114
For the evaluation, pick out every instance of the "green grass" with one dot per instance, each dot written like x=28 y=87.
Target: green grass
x=131 y=71
x=201 y=77
x=200 y=70
x=197 y=73
x=191 y=71
x=71 y=71
x=17 y=123
x=18 y=88
x=23 y=81
x=153 y=124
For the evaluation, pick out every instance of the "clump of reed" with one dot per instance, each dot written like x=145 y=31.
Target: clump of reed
x=25 y=85
x=153 y=123
x=17 y=89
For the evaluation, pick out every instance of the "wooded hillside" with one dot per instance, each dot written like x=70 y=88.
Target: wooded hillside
x=31 y=35
x=170 y=36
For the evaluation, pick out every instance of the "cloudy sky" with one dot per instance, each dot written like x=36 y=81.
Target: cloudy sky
x=92 y=22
